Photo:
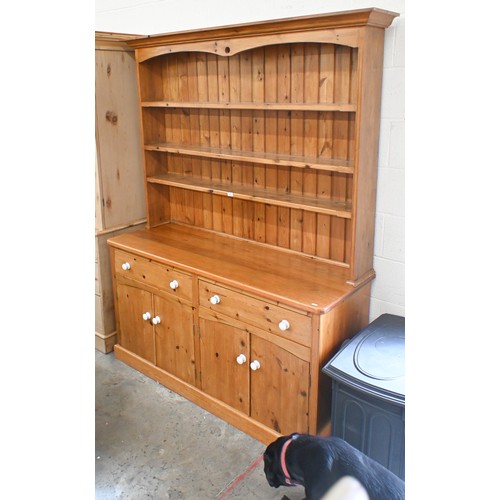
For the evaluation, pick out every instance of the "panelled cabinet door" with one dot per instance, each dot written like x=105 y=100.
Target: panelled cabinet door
x=279 y=387
x=174 y=339
x=224 y=353
x=135 y=315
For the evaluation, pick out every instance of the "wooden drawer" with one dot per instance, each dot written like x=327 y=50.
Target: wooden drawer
x=151 y=273
x=266 y=315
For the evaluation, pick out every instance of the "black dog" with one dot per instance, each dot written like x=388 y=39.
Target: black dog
x=317 y=462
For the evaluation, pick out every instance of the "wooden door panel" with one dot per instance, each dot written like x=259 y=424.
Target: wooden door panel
x=174 y=339
x=221 y=376
x=136 y=334
x=279 y=388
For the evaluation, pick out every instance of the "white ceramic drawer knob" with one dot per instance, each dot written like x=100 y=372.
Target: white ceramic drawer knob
x=146 y=316
x=126 y=266
x=241 y=359
x=174 y=284
x=254 y=365
x=214 y=299
x=283 y=325
x=156 y=320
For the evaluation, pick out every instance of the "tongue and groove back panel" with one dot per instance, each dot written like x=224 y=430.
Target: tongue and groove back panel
x=287 y=112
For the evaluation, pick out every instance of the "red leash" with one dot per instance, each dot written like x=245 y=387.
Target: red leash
x=223 y=494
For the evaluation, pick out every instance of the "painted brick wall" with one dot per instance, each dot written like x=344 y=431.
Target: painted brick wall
x=161 y=16
x=388 y=289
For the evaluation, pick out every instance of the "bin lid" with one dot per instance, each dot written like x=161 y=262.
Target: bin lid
x=373 y=361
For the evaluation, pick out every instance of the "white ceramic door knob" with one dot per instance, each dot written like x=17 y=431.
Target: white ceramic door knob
x=174 y=284
x=254 y=365
x=146 y=316
x=283 y=325
x=126 y=266
x=156 y=320
x=214 y=299
x=241 y=359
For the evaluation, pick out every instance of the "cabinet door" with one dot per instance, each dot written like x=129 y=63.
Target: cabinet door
x=279 y=388
x=136 y=333
x=221 y=375
x=174 y=339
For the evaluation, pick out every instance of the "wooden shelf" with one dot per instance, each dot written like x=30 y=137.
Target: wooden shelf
x=271 y=106
x=260 y=195
x=344 y=166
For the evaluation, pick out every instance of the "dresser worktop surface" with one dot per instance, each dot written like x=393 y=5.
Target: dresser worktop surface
x=287 y=278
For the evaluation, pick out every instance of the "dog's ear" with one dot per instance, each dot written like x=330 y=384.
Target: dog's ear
x=272 y=453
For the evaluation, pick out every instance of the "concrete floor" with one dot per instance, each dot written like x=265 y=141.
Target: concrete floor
x=153 y=444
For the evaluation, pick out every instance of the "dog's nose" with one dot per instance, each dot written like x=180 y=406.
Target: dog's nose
x=270 y=480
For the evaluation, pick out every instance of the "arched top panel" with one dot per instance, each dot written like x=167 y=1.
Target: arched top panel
x=231 y=46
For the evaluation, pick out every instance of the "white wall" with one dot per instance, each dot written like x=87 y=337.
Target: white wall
x=148 y=17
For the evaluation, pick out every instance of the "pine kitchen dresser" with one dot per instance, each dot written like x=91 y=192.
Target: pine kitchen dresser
x=260 y=146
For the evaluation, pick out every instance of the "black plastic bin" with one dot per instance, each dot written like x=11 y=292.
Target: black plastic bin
x=368 y=392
